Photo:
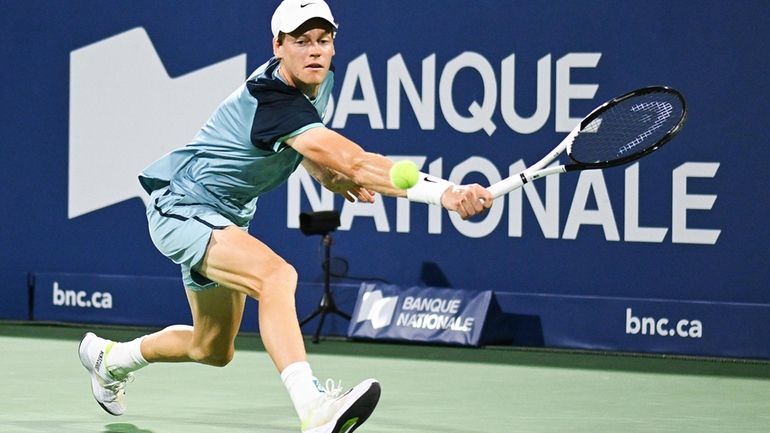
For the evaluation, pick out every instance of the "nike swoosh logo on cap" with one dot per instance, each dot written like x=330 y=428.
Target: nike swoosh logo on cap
x=427 y=179
x=302 y=6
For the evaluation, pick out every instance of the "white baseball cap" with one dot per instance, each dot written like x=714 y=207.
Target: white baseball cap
x=291 y=14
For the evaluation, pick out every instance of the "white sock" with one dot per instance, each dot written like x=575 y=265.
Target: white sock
x=302 y=386
x=123 y=358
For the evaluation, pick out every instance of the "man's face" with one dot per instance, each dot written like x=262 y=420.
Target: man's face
x=306 y=55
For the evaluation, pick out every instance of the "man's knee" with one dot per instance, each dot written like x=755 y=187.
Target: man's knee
x=209 y=355
x=279 y=279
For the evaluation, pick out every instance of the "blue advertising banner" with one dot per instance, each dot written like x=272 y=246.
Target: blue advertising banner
x=96 y=90
x=420 y=314
x=639 y=325
x=14 y=303
x=109 y=299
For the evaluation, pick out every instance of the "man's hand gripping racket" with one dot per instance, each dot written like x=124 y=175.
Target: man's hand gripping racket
x=619 y=131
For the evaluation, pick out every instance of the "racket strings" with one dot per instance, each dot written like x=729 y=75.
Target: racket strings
x=628 y=128
x=663 y=110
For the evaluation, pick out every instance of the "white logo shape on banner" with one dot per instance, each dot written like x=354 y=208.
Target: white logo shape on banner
x=377 y=309
x=126 y=112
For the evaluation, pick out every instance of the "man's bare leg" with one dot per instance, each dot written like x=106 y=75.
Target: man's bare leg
x=217 y=314
x=239 y=261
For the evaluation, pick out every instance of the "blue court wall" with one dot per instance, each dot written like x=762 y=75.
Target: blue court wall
x=94 y=90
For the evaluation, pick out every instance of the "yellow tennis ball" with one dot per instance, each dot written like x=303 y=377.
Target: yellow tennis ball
x=404 y=174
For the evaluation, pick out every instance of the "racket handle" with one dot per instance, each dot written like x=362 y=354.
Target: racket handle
x=505 y=186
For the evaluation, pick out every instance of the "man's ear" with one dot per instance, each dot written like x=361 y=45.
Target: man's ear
x=277 y=48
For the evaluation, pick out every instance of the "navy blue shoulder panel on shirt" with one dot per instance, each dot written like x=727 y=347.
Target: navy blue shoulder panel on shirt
x=281 y=109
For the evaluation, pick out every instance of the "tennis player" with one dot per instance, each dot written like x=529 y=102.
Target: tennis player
x=204 y=195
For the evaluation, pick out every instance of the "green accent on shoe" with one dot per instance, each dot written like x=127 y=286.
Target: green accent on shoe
x=348 y=425
x=107 y=349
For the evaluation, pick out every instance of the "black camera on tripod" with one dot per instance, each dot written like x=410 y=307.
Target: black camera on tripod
x=319 y=223
x=322 y=223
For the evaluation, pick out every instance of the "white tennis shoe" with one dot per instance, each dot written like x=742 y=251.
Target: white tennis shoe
x=335 y=413
x=109 y=391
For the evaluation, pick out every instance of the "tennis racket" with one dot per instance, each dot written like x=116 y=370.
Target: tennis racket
x=621 y=130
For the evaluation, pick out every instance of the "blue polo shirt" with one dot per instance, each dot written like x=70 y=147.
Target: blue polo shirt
x=240 y=153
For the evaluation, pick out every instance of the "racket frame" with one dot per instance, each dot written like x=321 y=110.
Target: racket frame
x=539 y=169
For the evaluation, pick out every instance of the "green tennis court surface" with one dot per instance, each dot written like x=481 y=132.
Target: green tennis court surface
x=43 y=388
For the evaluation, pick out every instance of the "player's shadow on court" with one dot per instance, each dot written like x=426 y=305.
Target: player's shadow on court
x=124 y=428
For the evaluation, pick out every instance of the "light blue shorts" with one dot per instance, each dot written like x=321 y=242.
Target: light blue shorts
x=181 y=231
